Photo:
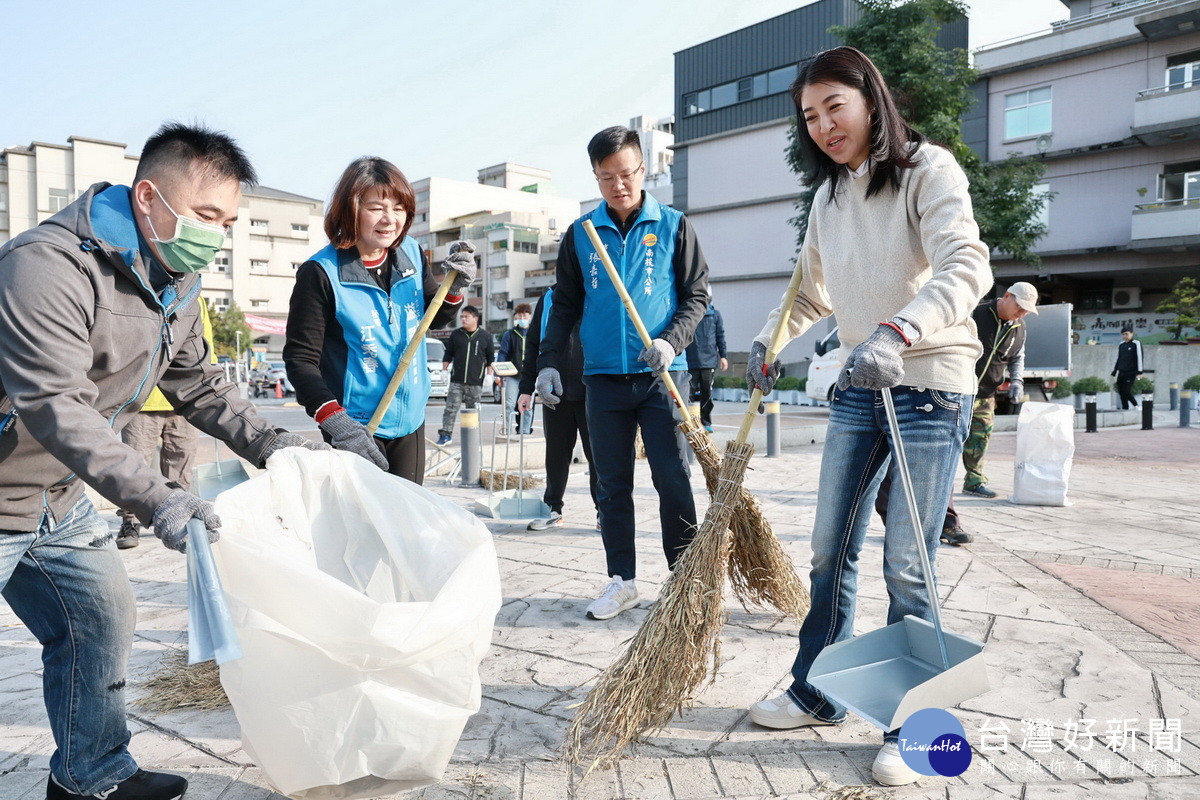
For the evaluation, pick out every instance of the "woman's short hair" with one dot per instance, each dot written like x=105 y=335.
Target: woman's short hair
x=892 y=139
x=363 y=175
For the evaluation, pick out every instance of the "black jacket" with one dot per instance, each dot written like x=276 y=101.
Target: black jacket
x=315 y=351
x=469 y=354
x=708 y=347
x=570 y=366
x=1129 y=357
x=1002 y=342
x=513 y=346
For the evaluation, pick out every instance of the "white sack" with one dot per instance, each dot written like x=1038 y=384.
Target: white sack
x=364 y=604
x=1045 y=445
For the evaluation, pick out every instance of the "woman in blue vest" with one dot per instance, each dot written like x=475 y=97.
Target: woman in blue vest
x=356 y=305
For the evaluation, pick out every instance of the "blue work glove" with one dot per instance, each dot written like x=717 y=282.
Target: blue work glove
x=172 y=515
x=876 y=363
x=764 y=379
x=658 y=356
x=549 y=386
x=347 y=433
x=462 y=262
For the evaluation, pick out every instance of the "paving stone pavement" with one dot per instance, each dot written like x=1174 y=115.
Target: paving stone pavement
x=1057 y=655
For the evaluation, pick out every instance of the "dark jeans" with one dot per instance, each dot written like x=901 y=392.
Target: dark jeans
x=617 y=405
x=561 y=424
x=702 y=382
x=1125 y=388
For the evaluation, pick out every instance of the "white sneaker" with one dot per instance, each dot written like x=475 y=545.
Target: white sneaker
x=555 y=520
x=889 y=768
x=781 y=712
x=618 y=596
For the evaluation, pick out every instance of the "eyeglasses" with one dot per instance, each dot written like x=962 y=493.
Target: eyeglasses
x=624 y=177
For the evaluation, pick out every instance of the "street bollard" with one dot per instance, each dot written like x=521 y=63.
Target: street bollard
x=1185 y=408
x=773 y=431
x=469 y=445
x=1147 y=412
x=1174 y=396
x=1089 y=411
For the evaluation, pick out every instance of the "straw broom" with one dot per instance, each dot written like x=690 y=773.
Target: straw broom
x=761 y=571
x=667 y=660
x=435 y=304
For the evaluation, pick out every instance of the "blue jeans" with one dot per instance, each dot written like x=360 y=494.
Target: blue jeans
x=933 y=426
x=69 y=586
x=616 y=406
x=512 y=391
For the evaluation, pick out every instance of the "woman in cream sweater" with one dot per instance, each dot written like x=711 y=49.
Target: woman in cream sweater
x=893 y=249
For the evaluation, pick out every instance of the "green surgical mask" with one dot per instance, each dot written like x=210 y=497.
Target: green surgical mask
x=194 y=244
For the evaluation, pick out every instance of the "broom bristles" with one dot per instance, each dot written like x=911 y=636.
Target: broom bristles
x=668 y=659
x=761 y=573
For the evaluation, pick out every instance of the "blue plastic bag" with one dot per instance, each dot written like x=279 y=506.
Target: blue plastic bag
x=210 y=626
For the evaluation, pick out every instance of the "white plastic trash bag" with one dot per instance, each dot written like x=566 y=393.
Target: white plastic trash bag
x=364 y=604
x=1045 y=445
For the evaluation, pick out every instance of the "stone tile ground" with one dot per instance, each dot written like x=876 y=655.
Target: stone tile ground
x=1056 y=650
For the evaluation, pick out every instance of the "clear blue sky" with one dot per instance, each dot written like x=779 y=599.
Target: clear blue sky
x=439 y=88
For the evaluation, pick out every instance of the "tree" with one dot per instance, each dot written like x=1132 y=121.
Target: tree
x=1184 y=303
x=226 y=325
x=932 y=90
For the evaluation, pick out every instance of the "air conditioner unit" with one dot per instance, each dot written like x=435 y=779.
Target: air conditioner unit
x=1126 y=297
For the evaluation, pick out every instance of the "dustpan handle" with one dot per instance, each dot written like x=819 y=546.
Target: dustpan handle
x=906 y=479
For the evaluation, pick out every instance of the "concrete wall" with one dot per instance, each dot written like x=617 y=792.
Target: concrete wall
x=1171 y=364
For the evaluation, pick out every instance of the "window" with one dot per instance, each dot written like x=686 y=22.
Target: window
x=500 y=244
x=1043 y=190
x=739 y=91
x=220 y=263
x=3 y=198
x=258 y=303
x=258 y=264
x=1180 y=182
x=220 y=304
x=258 y=223
x=1027 y=113
x=296 y=228
x=525 y=247
x=296 y=265
x=1183 y=71
x=59 y=199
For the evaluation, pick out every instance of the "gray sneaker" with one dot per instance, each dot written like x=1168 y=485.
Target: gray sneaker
x=553 y=521
x=127 y=537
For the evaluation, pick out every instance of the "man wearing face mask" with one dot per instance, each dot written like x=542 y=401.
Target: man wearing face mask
x=512 y=348
x=99 y=304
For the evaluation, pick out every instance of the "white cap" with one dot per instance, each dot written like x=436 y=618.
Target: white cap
x=1025 y=295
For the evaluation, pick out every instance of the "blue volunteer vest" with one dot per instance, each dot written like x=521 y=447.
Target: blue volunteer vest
x=645 y=260
x=377 y=326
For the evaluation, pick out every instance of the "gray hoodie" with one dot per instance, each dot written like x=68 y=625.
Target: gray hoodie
x=83 y=341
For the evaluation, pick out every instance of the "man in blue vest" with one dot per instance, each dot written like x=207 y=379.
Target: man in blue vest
x=655 y=250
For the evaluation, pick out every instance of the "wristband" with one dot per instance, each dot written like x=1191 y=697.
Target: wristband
x=327 y=410
x=453 y=298
x=896 y=328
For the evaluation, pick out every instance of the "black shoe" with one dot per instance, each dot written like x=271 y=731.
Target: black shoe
x=955 y=535
x=127 y=537
x=141 y=785
x=979 y=491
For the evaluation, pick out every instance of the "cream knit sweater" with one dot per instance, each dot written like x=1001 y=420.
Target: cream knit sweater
x=913 y=253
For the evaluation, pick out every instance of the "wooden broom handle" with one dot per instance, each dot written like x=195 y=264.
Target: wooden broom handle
x=435 y=304
x=785 y=315
x=627 y=301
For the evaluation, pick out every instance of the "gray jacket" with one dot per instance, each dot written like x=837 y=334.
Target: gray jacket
x=83 y=341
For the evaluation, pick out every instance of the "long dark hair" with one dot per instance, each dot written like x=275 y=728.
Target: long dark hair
x=892 y=139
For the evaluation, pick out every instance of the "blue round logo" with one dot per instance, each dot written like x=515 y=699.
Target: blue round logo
x=933 y=742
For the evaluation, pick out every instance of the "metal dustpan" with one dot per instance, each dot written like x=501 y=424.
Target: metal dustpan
x=510 y=503
x=209 y=480
x=887 y=674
